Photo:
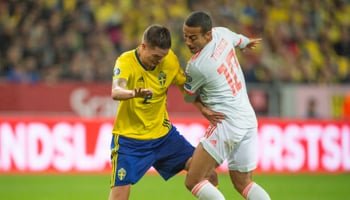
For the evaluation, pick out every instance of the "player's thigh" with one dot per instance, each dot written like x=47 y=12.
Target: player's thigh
x=173 y=155
x=119 y=192
x=131 y=160
x=202 y=164
x=244 y=157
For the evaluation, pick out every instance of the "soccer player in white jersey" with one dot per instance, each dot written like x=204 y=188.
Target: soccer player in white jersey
x=216 y=85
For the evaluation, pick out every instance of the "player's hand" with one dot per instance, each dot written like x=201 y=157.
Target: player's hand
x=213 y=117
x=142 y=93
x=253 y=42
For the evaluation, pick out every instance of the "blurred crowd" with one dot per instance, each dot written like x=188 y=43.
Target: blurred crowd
x=79 y=40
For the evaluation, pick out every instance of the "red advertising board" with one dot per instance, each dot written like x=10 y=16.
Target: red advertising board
x=72 y=99
x=41 y=144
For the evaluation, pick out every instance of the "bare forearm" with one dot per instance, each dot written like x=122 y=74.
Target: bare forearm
x=122 y=94
x=212 y=116
x=198 y=104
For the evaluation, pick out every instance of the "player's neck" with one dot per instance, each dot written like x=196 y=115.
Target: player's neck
x=138 y=54
x=139 y=58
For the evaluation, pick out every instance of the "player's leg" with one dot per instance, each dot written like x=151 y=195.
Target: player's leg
x=212 y=177
x=174 y=155
x=120 y=192
x=130 y=160
x=247 y=187
x=240 y=179
x=202 y=164
x=241 y=165
x=211 y=152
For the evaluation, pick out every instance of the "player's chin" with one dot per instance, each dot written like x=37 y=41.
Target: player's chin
x=193 y=50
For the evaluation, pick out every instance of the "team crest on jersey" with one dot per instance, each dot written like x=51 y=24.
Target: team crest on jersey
x=162 y=78
x=121 y=174
x=116 y=71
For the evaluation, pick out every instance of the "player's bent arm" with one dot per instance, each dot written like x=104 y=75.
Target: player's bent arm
x=199 y=104
x=212 y=116
x=195 y=100
x=189 y=97
x=119 y=91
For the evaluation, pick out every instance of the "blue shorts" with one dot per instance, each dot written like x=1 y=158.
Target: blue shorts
x=132 y=158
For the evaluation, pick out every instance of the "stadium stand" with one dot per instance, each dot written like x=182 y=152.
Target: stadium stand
x=79 y=40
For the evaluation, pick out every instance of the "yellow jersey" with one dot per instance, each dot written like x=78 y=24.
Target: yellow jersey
x=146 y=118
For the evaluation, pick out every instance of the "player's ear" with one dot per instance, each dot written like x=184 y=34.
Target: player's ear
x=208 y=35
x=143 y=45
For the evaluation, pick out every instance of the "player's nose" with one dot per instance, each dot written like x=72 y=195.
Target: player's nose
x=188 y=42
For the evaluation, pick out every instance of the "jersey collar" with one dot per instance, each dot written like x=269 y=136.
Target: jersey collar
x=139 y=60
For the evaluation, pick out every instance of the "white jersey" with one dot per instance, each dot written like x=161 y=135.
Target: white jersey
x=216 y=75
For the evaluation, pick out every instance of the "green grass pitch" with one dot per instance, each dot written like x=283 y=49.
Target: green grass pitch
x=152 y=187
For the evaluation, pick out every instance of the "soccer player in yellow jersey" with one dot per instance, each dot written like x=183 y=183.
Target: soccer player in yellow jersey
x=143 y=136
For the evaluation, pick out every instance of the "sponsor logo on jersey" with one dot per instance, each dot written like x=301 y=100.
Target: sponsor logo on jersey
x=140 y=82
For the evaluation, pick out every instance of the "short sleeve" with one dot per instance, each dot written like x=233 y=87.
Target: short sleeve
x=194 y=80
x=121 y=69
x=238 y=40
x=180 y=77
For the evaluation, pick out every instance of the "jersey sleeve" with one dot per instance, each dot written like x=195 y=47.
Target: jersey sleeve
x=239 y=40
x=180 y=77
x=194 y=80
x=121 y=69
